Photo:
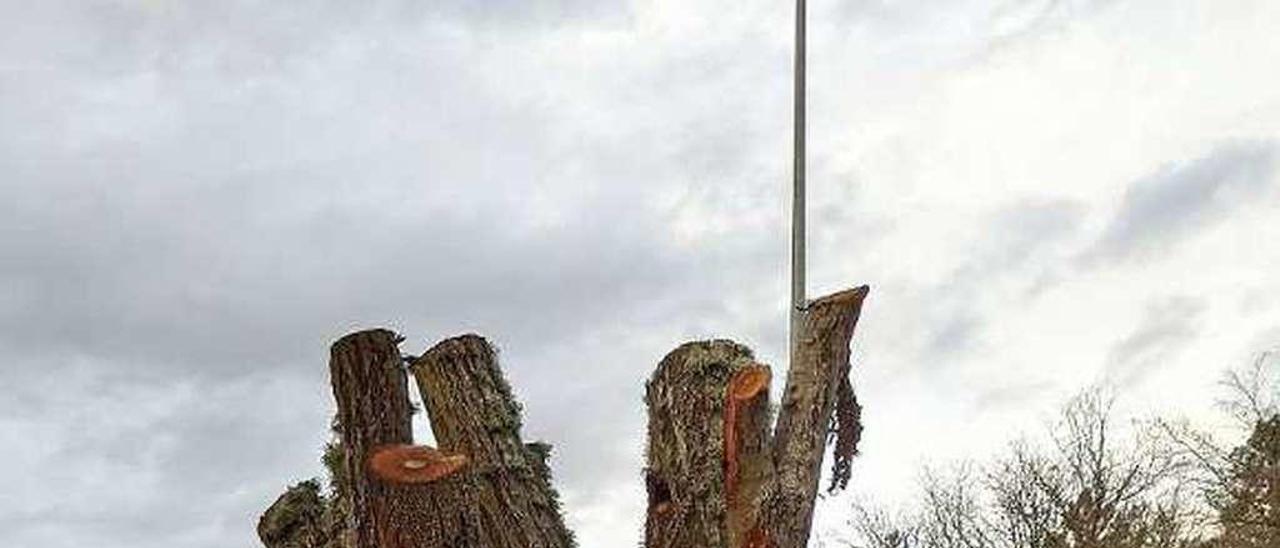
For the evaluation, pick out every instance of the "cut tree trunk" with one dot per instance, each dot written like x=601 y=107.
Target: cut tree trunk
x=484 y=487
x=715 y=477
x=392 y=506
x=372 y=392
x=809 y=402
x=708 y=431
x=473 y=413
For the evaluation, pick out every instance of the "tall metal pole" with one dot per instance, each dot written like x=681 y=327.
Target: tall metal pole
x=797 y=197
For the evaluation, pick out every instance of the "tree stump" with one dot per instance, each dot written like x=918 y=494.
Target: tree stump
x=394 y=503
x=715 y=477
x=708 y=430
x=473 y=412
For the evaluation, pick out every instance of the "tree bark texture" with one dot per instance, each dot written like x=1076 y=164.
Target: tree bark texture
x=704 y=444
x=809 y=402
x=372 y=393
x=482 y=489
x=302 y=518
x=715 y=476
x=473 y=412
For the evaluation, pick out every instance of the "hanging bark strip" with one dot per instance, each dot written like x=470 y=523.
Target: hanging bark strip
x=473 y=413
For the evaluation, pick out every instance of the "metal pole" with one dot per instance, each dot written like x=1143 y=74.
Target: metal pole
x=797 y=197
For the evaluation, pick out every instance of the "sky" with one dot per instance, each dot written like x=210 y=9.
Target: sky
x=199 y=197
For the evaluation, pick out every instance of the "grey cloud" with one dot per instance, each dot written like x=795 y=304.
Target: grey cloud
x=156 y=462
x=197 y=202
x=200 y=196
x=953 y=334
x=1011 y=395
x=1011 y=21
x=965 y=31
x=1170 y=205
x=107 y=37
x=1167 y=326
x=1022 y=240
x=278 y=216
x=1024 y=231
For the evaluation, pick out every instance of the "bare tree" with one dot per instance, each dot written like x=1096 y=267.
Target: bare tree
x=1253 y=393
x=879 y=528
x=1240 y=485
x=1082 y=489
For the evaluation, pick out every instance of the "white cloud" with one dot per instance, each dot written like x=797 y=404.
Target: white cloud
x=210 y=194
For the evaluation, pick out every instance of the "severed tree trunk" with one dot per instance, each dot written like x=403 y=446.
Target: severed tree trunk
x=372 y=392
x=715 y=478
x=400 y=496
x=482 y=489
x=473 y=412
x=716 y=475
x=818 y=378
x=708 y=431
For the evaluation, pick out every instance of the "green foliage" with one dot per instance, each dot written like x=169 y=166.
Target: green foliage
x=336 y=465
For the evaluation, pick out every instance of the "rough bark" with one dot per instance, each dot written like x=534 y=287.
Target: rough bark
x=374 y=417
x=696 y=431
x=715 y=476
x=473 y=413
x=804 y=419
x=302 y=518
x=372 y=392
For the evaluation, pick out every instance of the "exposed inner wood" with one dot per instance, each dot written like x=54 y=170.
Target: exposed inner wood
x=413 y=464
x=747 y=458
x=747 y=384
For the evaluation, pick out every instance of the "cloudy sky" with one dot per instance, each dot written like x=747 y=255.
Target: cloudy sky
x=198 y=197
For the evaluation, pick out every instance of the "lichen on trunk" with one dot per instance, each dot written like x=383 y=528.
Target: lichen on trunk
x=715 y=475
x=483 y=488
x=703 y=443
x=474 y=413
